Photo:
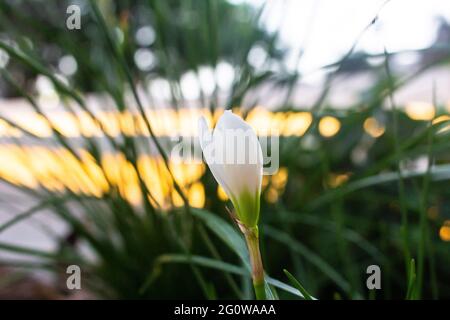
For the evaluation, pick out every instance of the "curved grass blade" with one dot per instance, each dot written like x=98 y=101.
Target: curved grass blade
x=309 y=255
x=349 y=234
x=225 y=232
x=28 y=213
x=218 y=265
x=437 y=173
x=26 y=251
x=297 y=284
x=236 y=243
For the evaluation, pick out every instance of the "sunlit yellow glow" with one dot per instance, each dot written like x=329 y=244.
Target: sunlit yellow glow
x=164 y=122
x=265 y=181
x=222 y=194
x=279 y=179
x=109 y=123
x=177 y=200
x=444 y=232
x=272 y=195
x=260 y=119
x=186 y=174
x=14 y=167
x=66 y=123
x=196 y=195
x=335 y=180
x=329 y=126
x=274 y=185
x=59 y=170
x=170 y=122
x=39 y=126
x=215 y=116
x=6 y=130
x=419 y=110
x=297 y=123
x=440 y=119
x=373 y=127
x=127 y=124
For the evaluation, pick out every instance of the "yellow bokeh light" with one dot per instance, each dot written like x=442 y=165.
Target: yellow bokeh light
x=164 y=122
x=177 y=199
x=127 y=123
x=260 y=120
x=196 y=195
x=444 y=231
x=222 y=194
x=272 y=195
x=59 y=170
x=329 y=126
x=14 y=169
x=335 y=180
x=419 y=110
x=279 y=179
x=7 y=130
x=89 y=126
x=109 y=123
x=265 y=181
x=373 y=127
x=440 y=119
x=37 y=125
x=297 y=123
x=66 y=123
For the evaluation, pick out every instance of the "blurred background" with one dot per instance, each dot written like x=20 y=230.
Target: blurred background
x=358 y=94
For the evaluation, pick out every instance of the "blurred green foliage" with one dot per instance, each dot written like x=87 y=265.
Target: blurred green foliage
x=325 y=231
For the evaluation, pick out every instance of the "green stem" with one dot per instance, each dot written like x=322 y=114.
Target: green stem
x=252 y=239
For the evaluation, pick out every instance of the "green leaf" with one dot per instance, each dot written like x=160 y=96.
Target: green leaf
x=330 y=226
x=218 y=265
x=271 y=293
x=410 y=292
x=234 y=240
x=437 y=173
x=26 y=214
x=297 y=284
x=283 y=286
x=26 y=251
x=201 y=261
x=313 y=258
x=229 y=235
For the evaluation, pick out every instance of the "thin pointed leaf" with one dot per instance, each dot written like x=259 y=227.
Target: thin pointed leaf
x=297 y=284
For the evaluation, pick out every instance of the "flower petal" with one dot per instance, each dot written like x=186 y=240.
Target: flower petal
x=242 y=159
x=234 y=156
x=205 y=139
x=228 y=120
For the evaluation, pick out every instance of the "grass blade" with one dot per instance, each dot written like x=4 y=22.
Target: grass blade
x=297 y=284
x=411 y=291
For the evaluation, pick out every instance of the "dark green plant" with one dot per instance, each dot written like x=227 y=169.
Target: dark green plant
x=326 y=234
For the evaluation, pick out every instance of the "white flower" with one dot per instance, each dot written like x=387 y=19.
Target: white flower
x=234 y=156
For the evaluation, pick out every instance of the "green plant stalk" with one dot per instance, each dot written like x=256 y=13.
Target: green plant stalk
x=252 y=239
x=401 y=185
